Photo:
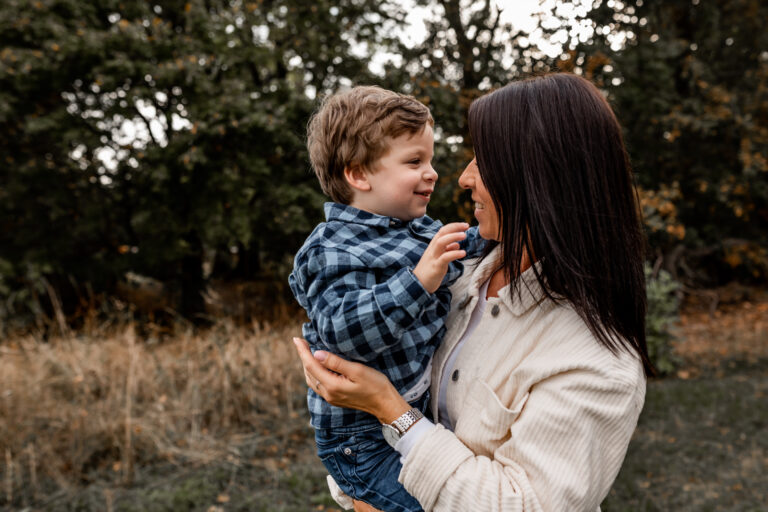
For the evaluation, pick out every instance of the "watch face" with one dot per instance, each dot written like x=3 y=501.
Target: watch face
x=391 y=435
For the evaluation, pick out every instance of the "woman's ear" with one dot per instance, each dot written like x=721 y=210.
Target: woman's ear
x=357 y=178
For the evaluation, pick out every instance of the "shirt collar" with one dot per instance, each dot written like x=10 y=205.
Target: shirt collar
x=346 y=213
x=529 y=293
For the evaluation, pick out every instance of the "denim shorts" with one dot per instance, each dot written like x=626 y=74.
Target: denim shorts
x=365 y=467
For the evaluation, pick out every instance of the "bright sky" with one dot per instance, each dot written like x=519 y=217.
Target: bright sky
x=518 y=13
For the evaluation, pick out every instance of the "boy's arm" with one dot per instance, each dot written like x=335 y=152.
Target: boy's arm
x=474 y=244
x=353 y=314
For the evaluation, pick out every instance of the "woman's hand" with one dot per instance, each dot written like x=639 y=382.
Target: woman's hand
x=352 y=385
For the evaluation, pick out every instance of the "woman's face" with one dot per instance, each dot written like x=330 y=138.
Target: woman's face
x=485 y=212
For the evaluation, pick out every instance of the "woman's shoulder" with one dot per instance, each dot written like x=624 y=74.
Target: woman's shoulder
x=534 y=333
x=564 y=342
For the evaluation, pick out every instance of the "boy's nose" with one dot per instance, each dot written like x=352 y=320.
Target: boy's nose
x=430 y=174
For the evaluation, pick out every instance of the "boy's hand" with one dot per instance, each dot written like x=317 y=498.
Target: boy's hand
x=443 y=249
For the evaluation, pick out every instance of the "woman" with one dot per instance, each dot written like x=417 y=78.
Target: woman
x=540 y=380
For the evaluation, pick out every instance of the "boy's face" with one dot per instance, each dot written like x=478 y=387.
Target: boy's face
x=402 y=180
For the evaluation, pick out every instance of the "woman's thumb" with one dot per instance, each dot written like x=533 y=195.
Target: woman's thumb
x=334 y=362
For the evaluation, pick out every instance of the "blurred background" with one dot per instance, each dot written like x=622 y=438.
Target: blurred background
x=154 y=185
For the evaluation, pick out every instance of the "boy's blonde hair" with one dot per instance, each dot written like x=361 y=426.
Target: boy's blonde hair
x=349 y=130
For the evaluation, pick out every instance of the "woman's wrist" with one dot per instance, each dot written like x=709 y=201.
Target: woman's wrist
x=391 y=406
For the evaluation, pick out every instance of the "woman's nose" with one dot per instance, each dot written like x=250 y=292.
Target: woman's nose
x=465 y=180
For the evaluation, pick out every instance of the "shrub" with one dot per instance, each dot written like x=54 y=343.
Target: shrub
x=663 y=304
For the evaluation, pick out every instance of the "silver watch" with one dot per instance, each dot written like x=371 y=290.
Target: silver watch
x=394 y=431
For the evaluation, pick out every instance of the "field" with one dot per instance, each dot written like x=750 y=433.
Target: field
x=120 y=420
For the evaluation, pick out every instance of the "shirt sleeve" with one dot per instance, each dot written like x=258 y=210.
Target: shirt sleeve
x=353 y=314
x=474 y=244
x=564 y=449
x=412 y=437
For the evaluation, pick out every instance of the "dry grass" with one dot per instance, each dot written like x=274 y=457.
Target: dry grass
x=80 y=406
x=733 y=330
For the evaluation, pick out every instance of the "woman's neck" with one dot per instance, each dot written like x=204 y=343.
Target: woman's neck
x=499 y=278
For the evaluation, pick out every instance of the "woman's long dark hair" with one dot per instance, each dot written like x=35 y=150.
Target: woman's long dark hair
x=551 y=154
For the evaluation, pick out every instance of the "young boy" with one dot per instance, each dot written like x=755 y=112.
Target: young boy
x=374 y=277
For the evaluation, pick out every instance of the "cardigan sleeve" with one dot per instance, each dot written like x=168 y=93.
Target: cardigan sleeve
x=564 y=449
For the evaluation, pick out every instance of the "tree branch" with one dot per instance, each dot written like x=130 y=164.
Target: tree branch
x=146 y=123
x=453 y=16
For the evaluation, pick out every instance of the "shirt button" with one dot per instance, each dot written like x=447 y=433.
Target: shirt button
x=347 y=451
x=495 y=310
x=455 y=375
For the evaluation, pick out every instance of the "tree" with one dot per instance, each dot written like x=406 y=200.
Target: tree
x=467 y=51
x=157 y=136
x=690 y=83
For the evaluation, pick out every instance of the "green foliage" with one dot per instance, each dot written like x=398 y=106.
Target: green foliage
x=156 y=136
x=662 y=314
x=167 y=137
x=690 y=85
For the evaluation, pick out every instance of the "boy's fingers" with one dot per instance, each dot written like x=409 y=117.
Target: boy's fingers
x=453 y=227
x=451 y=238
x=450 y=256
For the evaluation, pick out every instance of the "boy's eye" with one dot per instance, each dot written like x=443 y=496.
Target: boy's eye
x=415 y=161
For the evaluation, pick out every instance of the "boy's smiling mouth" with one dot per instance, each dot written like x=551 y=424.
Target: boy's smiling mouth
x=424 y=193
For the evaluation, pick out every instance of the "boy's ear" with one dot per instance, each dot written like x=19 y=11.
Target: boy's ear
x=357 y=178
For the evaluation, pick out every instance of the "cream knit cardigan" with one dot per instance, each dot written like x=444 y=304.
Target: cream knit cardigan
x=542 y=412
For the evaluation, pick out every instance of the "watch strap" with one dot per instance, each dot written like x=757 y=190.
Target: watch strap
x=406 y=421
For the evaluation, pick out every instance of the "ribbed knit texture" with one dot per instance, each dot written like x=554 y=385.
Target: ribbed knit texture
x=543 y=414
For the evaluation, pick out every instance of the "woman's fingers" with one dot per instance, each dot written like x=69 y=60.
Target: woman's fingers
x=312 y=368
x=338 y=365
x=302 y=347
x=348 y=384
x=325 y=370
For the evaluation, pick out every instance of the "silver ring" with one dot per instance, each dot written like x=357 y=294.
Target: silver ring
x=317 y=384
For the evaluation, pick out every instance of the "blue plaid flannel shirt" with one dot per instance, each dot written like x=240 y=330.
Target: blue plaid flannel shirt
x=353 y=276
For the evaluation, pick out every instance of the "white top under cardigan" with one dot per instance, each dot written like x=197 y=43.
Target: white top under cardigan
x=543 y=412
x=446 y=418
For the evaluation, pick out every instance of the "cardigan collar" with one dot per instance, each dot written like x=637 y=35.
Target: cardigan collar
x=529 y=293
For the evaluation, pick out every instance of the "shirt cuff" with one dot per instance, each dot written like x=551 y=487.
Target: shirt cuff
x=408 y=292
x=412 y=437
